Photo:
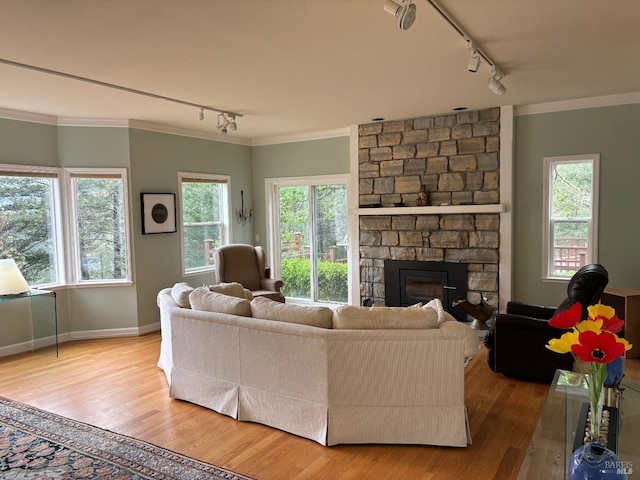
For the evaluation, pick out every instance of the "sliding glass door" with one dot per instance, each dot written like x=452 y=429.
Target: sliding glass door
x=309 y=238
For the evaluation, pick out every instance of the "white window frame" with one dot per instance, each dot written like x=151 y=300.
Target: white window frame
x=72 y=245
x=63 y=219
x=547 y=230
x=225 y=214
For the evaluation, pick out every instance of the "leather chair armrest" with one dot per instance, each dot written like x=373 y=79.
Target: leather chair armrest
x=271 y=284
x=530 y=310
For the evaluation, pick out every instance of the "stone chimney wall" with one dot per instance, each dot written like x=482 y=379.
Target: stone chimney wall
x=456 y=157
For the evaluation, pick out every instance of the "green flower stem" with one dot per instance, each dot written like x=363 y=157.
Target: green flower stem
x=595 y=383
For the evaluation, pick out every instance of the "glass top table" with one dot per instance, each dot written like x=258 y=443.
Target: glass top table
x=553 y=439
x=39 y=306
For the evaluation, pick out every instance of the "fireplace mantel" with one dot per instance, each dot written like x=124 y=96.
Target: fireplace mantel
x=429 y=210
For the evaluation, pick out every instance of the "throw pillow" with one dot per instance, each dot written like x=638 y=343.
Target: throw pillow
x=358 y=318
x=204 y=299
x=180 y=293
x=233 y=289
x=285 y=312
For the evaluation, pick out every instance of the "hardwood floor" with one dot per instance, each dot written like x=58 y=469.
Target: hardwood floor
x=115 y=384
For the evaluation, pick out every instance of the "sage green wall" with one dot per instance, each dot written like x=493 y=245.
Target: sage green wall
x=25 y=143
x=328 y=156
x=153 y=161
x=156 y=159
x=95 y=308
x=613 y=133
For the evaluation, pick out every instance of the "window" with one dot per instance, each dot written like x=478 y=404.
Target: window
x=28 y=227
x=570 y=214
x=308 y=221
x=204 y=206
x=99 y=225
x=96 y=240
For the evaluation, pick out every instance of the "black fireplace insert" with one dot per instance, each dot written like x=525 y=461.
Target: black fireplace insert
x=408 y=282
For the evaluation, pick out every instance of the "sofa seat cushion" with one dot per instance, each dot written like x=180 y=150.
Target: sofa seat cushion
x=352 y=317
x=204 y=299
x=180 y=293
x=285 y=312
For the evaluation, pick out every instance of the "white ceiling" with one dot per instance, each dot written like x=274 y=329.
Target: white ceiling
x=300 y=66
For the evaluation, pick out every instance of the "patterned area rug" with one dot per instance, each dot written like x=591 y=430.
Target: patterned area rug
x=35 y=444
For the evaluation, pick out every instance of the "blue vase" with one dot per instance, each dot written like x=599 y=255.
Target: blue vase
x=593 y=461
x=615 y=372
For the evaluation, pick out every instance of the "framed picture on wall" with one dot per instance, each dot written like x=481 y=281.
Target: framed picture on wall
x=158 y=212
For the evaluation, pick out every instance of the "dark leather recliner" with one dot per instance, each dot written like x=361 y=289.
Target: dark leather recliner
x=516 y=341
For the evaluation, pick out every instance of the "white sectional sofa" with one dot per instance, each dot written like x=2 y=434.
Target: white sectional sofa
x=356 y=375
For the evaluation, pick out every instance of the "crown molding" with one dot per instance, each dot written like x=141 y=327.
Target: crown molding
x=92 y=122
x=578 y=104
x=300 y=137
x=32 y=117
x=185 y=132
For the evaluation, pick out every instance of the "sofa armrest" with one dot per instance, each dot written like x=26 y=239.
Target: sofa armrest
x=271 y=284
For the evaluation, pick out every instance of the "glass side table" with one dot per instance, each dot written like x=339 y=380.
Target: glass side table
x=44 y=319
x=553 y=439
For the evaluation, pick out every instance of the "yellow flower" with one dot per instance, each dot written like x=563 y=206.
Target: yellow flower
x=624 y=341
x=563 y=344
x=600 y=310
x=590 y=325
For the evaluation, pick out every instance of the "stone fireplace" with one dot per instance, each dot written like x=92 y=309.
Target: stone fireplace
x=457 y=158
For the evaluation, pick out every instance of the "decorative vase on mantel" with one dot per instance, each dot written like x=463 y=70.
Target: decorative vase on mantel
x=423 y=197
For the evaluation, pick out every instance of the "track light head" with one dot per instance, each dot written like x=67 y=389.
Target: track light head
x=494 y=82
x=405 y=12
x=474 y=63
x=474 y=59
x=226 y=122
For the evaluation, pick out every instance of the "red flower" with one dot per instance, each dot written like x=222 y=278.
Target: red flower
x=597 y=347
x=567 y=318
x=613 y=324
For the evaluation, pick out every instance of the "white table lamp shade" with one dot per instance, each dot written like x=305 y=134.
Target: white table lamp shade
x=11 y=280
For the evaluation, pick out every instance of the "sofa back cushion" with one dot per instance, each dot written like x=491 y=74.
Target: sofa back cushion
x=285 y=312
x=204 y=299
x=357 y=318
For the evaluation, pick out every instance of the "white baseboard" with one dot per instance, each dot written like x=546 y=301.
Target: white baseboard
x=30 y=345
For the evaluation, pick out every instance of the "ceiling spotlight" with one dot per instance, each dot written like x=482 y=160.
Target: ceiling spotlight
x=405 y=12
x=201 y=114
x=494 y=82
x=474 y=63
x=474 y=59
x=226 y=122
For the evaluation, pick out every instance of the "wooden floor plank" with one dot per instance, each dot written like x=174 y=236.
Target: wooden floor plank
x=115 y=384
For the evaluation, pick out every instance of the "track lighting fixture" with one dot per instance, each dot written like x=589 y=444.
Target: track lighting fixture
x=226 y=122
x=405 y=12
x=474 y=59
x=494 y=82
x=231 y=125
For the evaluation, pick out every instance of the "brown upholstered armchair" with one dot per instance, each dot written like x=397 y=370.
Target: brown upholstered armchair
x=245 y=264
x=516 y=341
